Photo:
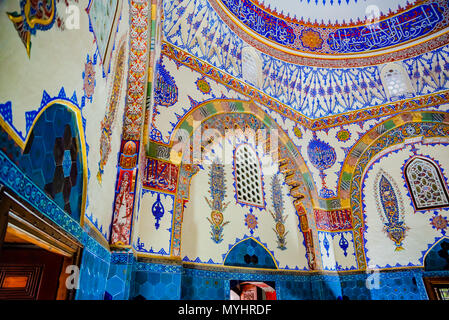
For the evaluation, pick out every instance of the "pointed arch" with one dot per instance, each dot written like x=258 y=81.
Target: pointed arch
x=389 y=133
x=71 y=115
x=297 y=175
x=250 y=253
x=437 y=256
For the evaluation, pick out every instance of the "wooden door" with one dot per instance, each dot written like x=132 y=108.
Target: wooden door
x=29 y=274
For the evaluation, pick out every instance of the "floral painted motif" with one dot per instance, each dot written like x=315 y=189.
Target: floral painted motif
x=386 y=193
x=297 y=132
x=343 y=135
x=218 y=192
x=89 y=79
x=311 y=39
x=203 y=86
x=278 y=216
x=109 y=118
x=440 y=223
x=251 y=221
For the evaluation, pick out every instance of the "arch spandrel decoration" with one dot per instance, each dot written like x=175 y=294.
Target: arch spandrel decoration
x=212 y=115
x=426 y=184
x=393 y=131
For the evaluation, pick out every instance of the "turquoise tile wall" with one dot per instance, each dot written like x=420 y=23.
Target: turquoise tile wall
x=120 y=276
x=156 y=282
x=93 y=276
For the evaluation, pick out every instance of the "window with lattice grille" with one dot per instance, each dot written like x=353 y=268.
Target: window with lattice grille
x=251 y=66
x=396 y=82
x=248 y=176
x=426 y=184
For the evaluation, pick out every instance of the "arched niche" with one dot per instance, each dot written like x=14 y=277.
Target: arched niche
x=291 y=163
x=250 y=253
x=396 y=81
x=437 y=257
x=389 y=133
x=54 y=155
x=251 y=66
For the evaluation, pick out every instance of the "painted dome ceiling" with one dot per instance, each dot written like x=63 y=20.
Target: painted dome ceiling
x=332 y=11
x=311 y=32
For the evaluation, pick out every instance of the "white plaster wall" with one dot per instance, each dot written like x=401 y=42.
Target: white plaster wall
x=380 y=250
x=196 y=238
x=154 y=239
x=57 y=60
x=94 y=114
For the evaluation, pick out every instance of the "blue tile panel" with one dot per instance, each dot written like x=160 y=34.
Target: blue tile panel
x=252 y=250
x=156 y=281
x=120 y=276
x=395 y=285
x=93 y=276
x=52 y=158
x=436 y=258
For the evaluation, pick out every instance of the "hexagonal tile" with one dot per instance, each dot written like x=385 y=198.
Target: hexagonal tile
x=58 y=180
x=38 y=177
x=59 y=121
x=66 y=163
x=58 y=151
x=37 y=152
x=166 y=278
x=49 y=168
x=115 y=285
x=154 y=278
x=67 y=138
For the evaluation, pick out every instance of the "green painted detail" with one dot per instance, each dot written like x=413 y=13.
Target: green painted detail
x=186 y=126
x=239 y=106
x=210 y=107
x=151 y=150
x=389 y=125
x=267 y=121
x=427 y=116
x=346 y=176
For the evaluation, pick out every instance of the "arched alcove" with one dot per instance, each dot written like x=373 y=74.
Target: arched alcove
x=389 y=134
x=251 y=254
x=437 y=258
x=219 y=117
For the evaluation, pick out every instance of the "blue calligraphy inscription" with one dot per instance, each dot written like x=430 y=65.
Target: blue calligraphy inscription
x=409 y=25
x=261 y=21
x=321 y=154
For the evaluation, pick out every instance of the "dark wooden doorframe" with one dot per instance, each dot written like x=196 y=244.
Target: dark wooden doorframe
x=431 y=283
x=17 y=215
